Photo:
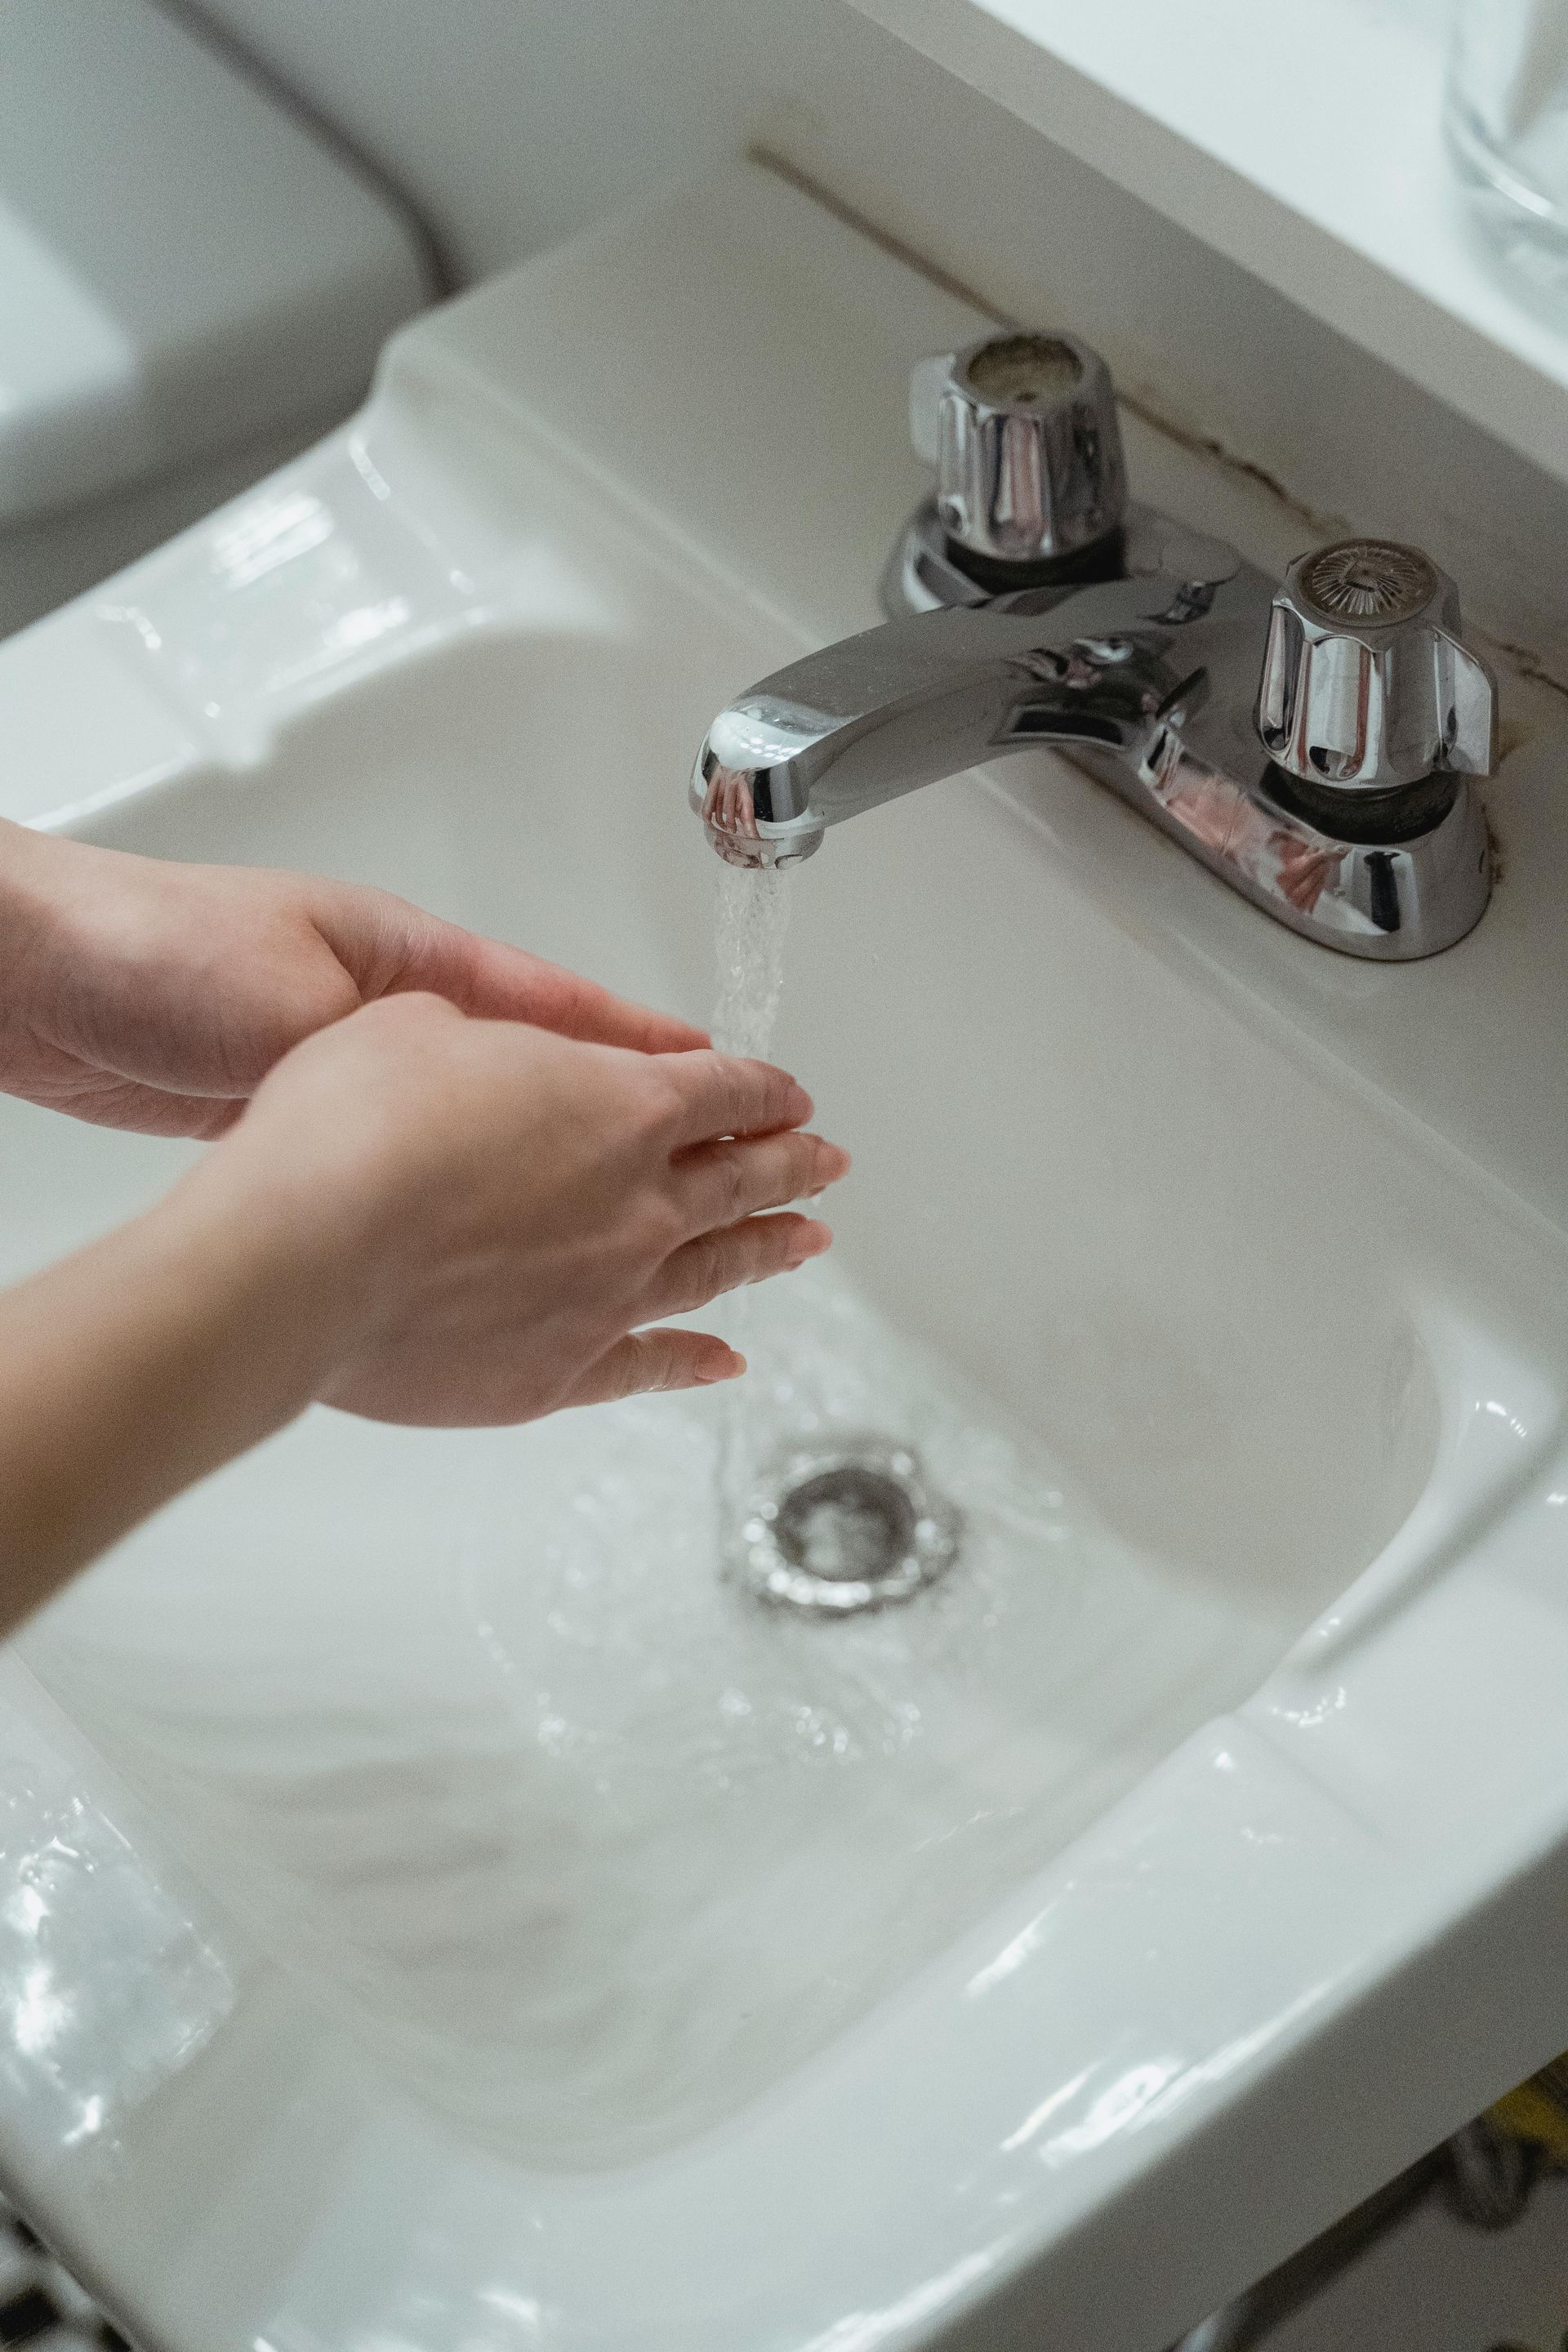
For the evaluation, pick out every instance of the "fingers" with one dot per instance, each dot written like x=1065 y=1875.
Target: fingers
x=750 y=1252
x=574 y=1007
x=661 y=1358
x=389 y=947
x=718 y=1094
x=497 y=982
x=719 y=1183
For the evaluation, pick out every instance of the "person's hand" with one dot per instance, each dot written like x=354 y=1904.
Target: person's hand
x=420 y=1217
x=481 y=1216
x=142 y=993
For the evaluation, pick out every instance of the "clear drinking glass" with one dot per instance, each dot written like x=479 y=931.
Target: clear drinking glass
x=1506 y=119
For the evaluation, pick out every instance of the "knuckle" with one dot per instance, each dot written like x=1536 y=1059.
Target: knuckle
x=415 y=1005
x=647 y=1363
x=796 y=1173
x=784 y=1176
x=783 y=1240
x=705 y=1273
x=809 y=1165
x=416 y=1025
x=659 y=1099
x=755 y=1097
x=761 y=1099
x=662 y=1230
x=733 y=1186
x=643 y=1103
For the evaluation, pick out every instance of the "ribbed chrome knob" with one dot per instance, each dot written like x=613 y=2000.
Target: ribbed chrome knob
x=1022 y=430
x=1367 y=683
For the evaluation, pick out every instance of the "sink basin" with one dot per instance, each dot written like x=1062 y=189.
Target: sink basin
x=437 y=1907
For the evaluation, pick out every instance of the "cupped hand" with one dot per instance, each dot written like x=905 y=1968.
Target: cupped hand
x=489 y=1216
x=143 y=992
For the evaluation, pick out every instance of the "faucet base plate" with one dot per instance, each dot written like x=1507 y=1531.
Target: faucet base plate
x=1414 y=892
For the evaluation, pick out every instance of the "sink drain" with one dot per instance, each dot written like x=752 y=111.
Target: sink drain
x=845 y=1524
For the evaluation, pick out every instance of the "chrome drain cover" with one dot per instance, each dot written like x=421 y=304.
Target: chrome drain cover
x=850 y=1523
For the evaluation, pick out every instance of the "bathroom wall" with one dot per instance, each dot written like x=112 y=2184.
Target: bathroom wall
x=511 y=124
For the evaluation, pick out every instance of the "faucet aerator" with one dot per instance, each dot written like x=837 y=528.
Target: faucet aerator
x=728 y=800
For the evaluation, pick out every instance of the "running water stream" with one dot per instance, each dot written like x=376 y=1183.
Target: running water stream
x=751 y=922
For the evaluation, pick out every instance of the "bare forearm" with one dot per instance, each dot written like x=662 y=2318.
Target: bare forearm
x=137 y=1365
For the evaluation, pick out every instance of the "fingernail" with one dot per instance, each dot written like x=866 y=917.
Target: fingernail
x=712 y=1370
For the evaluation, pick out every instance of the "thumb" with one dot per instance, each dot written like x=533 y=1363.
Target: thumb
x=659 y=1359
x=389 y=947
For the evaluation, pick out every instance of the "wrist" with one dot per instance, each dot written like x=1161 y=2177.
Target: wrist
x=265 y=1259
x=154 y=1356
x=31 y=894
x=29 y=860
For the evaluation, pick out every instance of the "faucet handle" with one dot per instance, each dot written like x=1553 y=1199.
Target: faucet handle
x=1367 y=683
x=1022 y=431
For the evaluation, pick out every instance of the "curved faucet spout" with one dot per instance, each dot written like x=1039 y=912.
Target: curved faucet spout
x=1100 y=667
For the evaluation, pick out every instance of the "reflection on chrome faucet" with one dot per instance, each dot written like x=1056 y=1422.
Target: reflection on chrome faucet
x=728 y=810
x=1310 y=742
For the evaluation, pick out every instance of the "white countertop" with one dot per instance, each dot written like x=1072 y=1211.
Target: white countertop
x=1306 y=146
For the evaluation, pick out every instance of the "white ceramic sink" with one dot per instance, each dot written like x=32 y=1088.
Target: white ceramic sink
x=437 y=1910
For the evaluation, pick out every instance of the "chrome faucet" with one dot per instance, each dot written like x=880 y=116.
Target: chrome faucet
x=1311 y=742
